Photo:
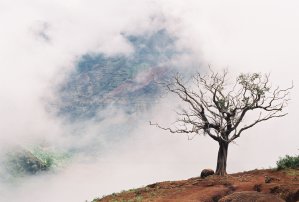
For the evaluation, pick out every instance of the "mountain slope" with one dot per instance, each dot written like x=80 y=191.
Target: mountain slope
x=266 y=185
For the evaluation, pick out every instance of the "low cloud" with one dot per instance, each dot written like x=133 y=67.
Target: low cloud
x=42 y=43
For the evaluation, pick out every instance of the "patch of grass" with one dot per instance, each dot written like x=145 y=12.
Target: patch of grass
x=139 y=198
x=288 y=162
x=292 y=172
x=128 y=191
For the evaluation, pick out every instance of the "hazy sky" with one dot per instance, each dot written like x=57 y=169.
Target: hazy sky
x=41 y=41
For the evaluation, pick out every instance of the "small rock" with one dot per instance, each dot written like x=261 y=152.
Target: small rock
x=269 y=179
x=257 y=187
x=206 y=172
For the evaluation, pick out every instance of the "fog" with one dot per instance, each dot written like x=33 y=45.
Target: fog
x=42 y=42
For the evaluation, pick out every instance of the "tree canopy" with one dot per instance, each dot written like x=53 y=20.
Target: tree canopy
x=218 y=107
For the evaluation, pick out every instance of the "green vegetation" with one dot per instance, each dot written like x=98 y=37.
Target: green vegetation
x=49 y=158
x=135 y=199
x=288 y=162
x=21 y=162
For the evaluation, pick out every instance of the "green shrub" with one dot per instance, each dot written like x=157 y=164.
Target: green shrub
x=20 y=162
x=288 y=162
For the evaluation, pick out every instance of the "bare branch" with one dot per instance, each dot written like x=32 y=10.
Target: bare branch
x=217 y=107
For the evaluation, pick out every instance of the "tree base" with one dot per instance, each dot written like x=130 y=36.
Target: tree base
x=221 y=173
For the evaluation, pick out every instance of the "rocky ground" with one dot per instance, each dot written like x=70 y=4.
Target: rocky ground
x=257 y=185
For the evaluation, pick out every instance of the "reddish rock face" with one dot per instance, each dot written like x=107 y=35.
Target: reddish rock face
x=206 y=172
x=249 y=196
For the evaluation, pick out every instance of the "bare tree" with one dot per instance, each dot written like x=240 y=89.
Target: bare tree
x=218 y=108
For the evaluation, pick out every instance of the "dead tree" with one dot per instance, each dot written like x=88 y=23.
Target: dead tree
x=217 y=108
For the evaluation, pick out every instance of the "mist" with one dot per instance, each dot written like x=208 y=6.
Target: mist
x=51 y=51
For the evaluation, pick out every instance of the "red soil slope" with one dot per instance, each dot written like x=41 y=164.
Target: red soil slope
x=264 y=185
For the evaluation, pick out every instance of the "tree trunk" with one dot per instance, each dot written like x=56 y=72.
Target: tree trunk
x=222 y=158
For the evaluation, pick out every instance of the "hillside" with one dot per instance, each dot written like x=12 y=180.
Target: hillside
x=256 y=185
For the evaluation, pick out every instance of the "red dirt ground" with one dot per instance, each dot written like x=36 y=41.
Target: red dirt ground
x=283 y=184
